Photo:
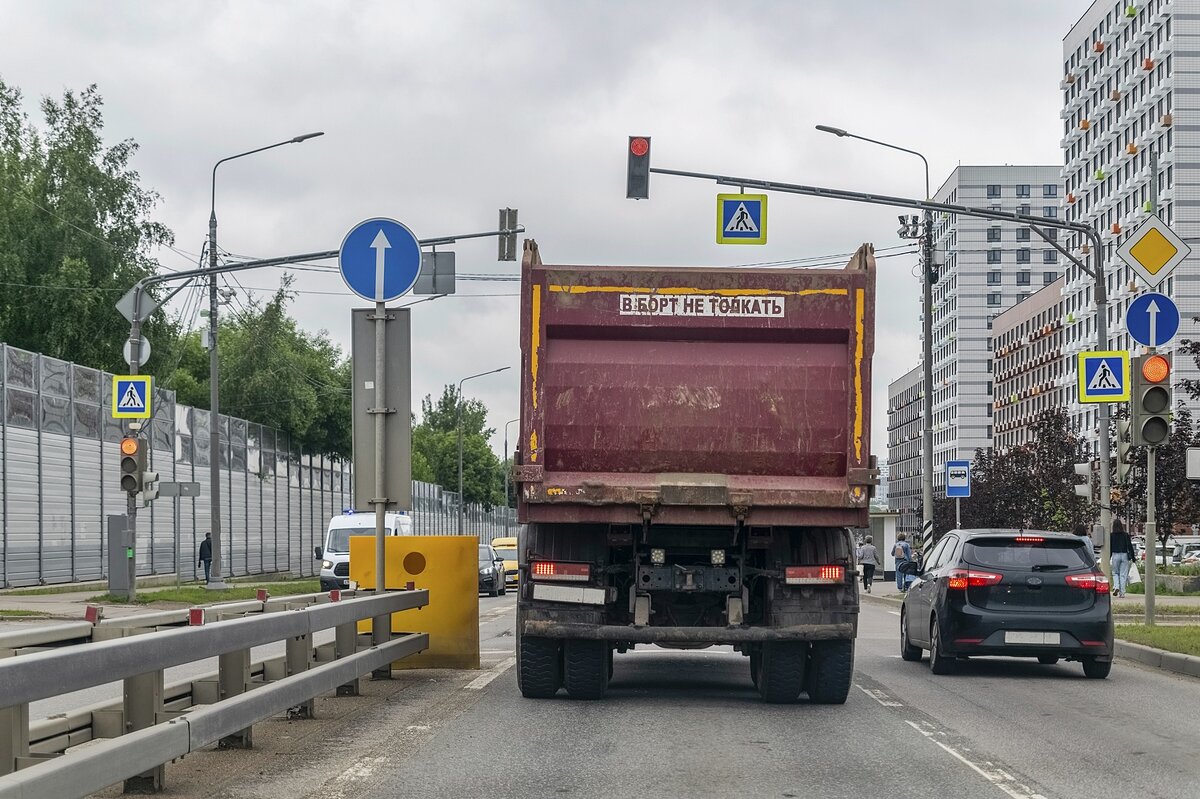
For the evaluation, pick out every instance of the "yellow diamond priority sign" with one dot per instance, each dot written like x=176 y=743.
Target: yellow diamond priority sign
x=1153 y=251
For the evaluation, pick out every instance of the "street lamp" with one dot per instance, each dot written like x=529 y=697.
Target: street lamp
x=214 y=436
x=506 y=471
x=461 y=499
x=927 y=342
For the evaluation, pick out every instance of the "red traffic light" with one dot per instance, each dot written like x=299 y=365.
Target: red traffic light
x=639 y=146
x=1156 y=369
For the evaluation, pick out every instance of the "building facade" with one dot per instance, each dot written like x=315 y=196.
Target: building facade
x=904 y=450
x=1027 y=365
x=989 y=267
x=1131 y=86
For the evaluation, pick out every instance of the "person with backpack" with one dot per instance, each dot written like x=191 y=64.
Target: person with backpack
x=868 y=558
x=902 y=553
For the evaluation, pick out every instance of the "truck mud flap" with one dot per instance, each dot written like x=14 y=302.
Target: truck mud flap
x=695 y=635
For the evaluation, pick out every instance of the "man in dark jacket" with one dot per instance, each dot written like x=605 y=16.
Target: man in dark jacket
x=206 y=555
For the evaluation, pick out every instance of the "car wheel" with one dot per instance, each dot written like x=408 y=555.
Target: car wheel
x=938 y=662
x=1096 y=669
x=585 y=668
x=1047 y=660
x=539 y=666
x=830 y=672
x=908 y=651
x=781 y=671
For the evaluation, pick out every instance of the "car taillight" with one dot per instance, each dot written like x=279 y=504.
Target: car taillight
x=1030 y=539
x=961 y=579
x=569 y=572
x=814 y=575
x=1089 y=582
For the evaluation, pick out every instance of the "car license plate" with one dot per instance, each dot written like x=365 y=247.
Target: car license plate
x=1014 y=637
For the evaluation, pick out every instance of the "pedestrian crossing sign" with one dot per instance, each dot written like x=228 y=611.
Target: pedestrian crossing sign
x=741 y=219
x=1104 y=376
x=131 y=396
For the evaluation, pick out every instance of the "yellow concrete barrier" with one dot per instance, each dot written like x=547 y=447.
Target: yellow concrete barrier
x=448 y=567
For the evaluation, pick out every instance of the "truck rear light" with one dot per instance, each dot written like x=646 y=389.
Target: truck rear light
x=658 y=556
x=1089 y=582
x=814 y=575
x=717 y=557
x=567 y=572
x=961 y=579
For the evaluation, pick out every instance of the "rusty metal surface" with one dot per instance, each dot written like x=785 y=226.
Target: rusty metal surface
x=694 y=635
x=721 y=392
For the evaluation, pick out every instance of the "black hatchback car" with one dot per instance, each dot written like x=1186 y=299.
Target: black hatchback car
x=1019 y=593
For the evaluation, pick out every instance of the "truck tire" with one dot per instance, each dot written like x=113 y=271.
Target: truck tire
x=539 y=666
x=585 y=668
x=781 y=671
x=830 y=672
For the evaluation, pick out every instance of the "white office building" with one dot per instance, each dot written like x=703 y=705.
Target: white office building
x=1131 y=85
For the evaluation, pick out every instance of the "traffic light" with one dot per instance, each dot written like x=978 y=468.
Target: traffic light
x=1084 y=489
x=133 y=464
x=637 y=181
x=1150 y=400
x=149 y=486
x=1124 y=447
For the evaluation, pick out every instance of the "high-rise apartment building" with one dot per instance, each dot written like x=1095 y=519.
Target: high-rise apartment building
x=1131 y=86
x=904 y=450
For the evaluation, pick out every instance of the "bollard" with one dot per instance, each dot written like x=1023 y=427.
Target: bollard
x=233 y=675
x=298 y=656
x=143 y=703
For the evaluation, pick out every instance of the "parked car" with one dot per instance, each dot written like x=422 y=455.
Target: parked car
x=491 y=571
x=1017 y=593
x=507 y=549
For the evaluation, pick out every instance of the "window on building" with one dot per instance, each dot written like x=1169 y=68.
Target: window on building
x=994 y=277
x=1022 y=278
x=993 y=234
x=1052 y=234
x=1023 y=255
x=1022 y=189
x=1048 y=278
x=1050 y=211
x=993 y=190
x=1023 y=234
x=993 y=256
x=1023 y=208
x=1049 y=256
x=993 y=298
x=1049 y=190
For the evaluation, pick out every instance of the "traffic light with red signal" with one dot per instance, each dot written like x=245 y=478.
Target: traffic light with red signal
x=637 y=181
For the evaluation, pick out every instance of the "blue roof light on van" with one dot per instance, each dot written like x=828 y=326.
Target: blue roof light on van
x=348 y=512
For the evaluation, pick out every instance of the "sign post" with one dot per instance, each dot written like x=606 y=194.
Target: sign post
x=958 y=486
x=380 y=260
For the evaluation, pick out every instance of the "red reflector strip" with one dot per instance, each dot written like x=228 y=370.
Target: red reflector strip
x=1030 y=539
x=1092 y=643
x=814 y=575
x=968 y=640
x=569 y=572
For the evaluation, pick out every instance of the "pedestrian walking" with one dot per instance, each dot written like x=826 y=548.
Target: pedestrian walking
x=902 y=553
x=1122 y=557
x=868 y=558
x=206 y=555
x=1081 y=530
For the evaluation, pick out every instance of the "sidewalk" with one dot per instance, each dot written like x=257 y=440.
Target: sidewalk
x=71 y=605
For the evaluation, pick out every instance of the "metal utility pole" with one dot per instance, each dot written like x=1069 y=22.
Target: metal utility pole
x=461 y=499
x=506 y=471
x=214 y=394
x=927 y=276
x=1151 y=532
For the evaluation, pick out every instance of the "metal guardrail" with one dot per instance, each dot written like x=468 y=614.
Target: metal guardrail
x=154 y=735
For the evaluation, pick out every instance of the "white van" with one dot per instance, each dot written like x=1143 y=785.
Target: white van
x=335 y=555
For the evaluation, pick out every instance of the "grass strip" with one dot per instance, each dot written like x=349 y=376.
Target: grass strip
x=1184 y=638
x=199 y=595
x=23 y=613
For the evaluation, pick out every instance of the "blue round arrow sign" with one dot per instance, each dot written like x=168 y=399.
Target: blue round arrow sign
x=380 y=259
x=1152 y=319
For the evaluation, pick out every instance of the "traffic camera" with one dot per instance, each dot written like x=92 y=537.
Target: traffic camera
x=1150 y=400
x=637 y=181
x=133 y=464
x=1084 y=489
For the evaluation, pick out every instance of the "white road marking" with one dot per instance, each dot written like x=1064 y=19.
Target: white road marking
x=417 y=727
x=998 y=777
x=894 y=612
x=492 y=614
x=480 y=682
x=343 y=785
x=880 y=696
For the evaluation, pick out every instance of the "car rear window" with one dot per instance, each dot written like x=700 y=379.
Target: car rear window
x=1009 y=553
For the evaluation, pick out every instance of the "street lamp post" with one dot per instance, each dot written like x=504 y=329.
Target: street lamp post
x=927 y=336
x=214 y=436
x=506 y=471
x=461 y=500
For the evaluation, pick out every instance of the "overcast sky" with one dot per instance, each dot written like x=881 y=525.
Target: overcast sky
x=438 y=113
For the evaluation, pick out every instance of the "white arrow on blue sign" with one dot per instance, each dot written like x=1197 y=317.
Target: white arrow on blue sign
x=380 y=259
x=1152 y=319
x=958 y=479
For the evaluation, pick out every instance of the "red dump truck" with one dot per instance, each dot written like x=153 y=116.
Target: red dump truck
x=694 y=447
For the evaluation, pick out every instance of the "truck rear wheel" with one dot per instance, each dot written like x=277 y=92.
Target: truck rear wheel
x=539 y=666
x=585 y=668
x=830 y=671
x=781 y=671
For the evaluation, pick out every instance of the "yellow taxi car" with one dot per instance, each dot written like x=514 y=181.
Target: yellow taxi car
x=507 y=549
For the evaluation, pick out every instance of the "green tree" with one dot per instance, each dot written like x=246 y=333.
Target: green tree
x=435 y=447
x=75 y=232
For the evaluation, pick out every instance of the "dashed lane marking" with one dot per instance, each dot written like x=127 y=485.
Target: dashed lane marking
x=894 y=612
x=481 y=682
x=996 y=776
x=879 y=696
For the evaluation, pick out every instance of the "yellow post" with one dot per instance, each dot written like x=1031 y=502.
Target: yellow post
x=448 y=567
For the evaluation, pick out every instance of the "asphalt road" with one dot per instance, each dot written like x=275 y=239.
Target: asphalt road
x=690 y=724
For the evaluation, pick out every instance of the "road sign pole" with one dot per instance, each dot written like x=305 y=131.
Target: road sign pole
x=958 y=513
x=1151 y=535
x=381 y=626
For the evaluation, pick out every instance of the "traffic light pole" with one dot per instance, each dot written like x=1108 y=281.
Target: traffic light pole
x=1151 y=535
